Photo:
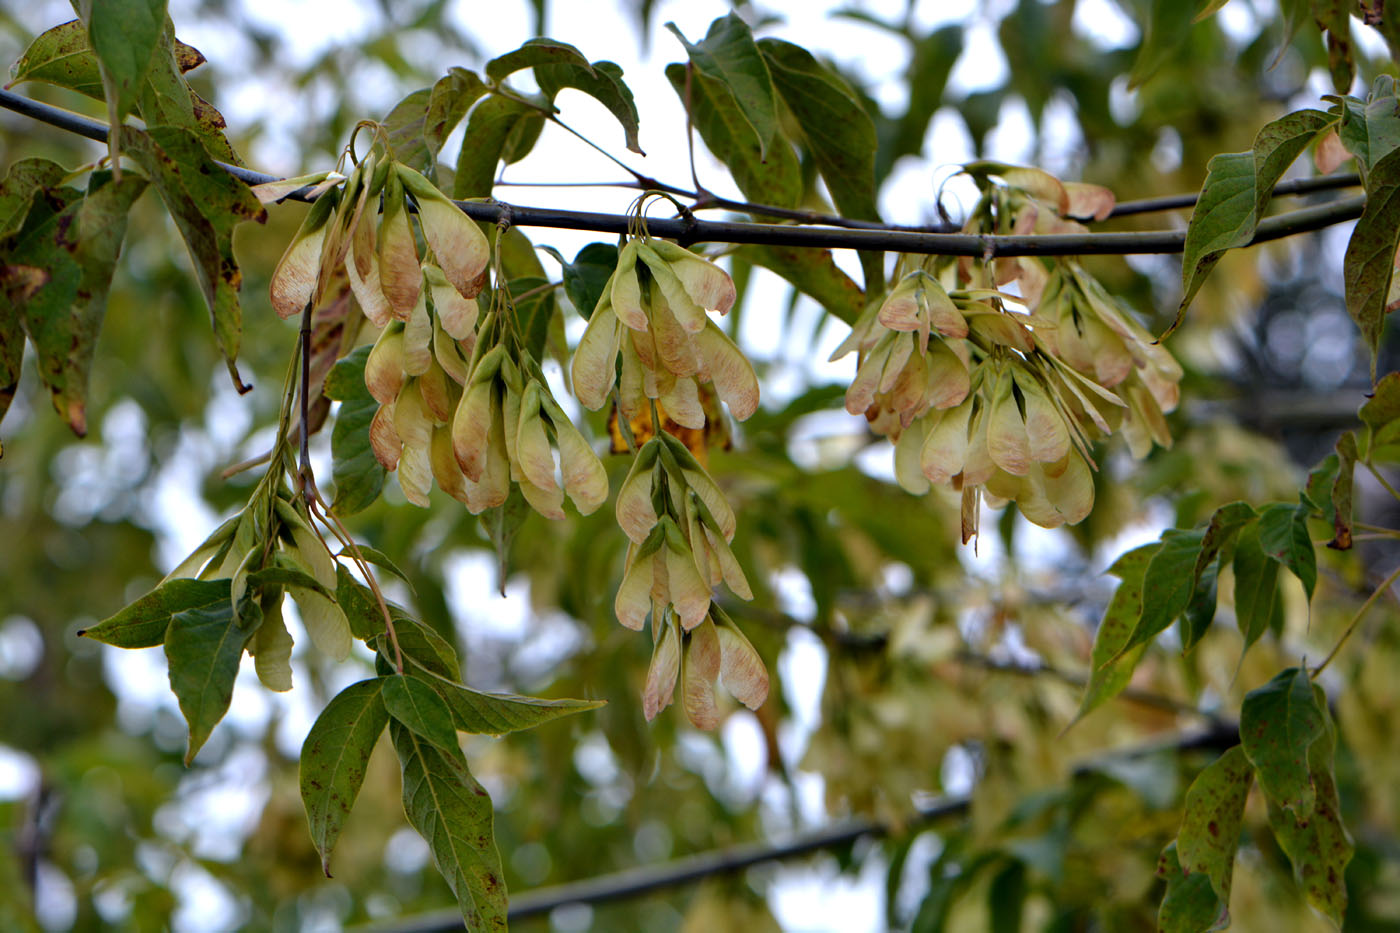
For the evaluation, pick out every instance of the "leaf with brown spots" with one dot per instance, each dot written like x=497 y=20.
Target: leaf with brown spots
x=206 y=203
x=1190 y=904
x=334 y=757
x=63 y=56
x=1318 y=846
x=452 y=811
x=56 y=277
x=1279 y=722
x=1210 y=828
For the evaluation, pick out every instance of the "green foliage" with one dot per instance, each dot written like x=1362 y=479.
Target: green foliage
x=334 y=759
x=432 y=348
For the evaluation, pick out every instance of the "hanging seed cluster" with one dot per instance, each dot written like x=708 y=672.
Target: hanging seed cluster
x=997 y=404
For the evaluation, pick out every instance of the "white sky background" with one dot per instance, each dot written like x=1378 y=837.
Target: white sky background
x=804 y=897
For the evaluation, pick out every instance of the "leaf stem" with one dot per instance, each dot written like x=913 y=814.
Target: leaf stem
x=1381 y=479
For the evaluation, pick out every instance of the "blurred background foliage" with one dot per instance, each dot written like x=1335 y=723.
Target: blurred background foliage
x=905 y=667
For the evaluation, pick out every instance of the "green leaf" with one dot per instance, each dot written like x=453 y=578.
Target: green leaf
x=1236 y=195
x=1342 y=491
x=1006 y=899
x=143 y=623
x=25 y=180
x=334 y=758
x=533 y=53
x=359 y=605
x=813 y=273
x=1224 y=525
x=837 y=132
x=356 y=471
x=452 y=812
x=765 y=174
x=406 y=124
x=421 y=646
x=377 y=557
x=1256 y=587
x=413 y=703
x=1370 y=257
x=1370 y=129
x=286 y=574
x=1383 y=407
x=1283 y=533
x=535 y=313
x=448 y=102
x=1163 y=34
x=203 y=646
x=499 y=713
x=502 y=523
x=1278 y=724
x=167 y=100
x=63 y=56
x=586 y=278
x=1110 y=667
x=206 y=203
x=1190 y=904
x=1318 y=844
x=124 y=34
x=1210 y=827
x=1168 y=584
x=497 y=129
x=1321 y=479
x=729 y=58
x=603 y=82
x=1200 y=611
x=56 y=277
x=1334 y=17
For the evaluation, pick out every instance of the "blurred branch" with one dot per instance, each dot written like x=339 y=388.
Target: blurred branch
x=689 y=230
x=635 y=882
x=878 y=641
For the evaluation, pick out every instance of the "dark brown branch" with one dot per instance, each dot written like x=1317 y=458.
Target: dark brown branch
x=885 y=239
x=635 y=882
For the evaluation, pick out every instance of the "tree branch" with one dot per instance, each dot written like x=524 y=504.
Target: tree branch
x=884 y=239
x=634 y=882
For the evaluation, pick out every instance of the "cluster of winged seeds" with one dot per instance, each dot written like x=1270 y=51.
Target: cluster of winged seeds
x=998 y=404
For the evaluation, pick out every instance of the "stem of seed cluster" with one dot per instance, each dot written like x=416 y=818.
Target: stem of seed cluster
x=1356 y=620
x=332 y=521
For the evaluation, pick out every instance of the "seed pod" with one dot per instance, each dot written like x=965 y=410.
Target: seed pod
x=384 y=373
x=662 y=672
x=707 y=284
x=458 y=244
x=594 y=366
x=626 y=290
x=741 y=670
x=699 y=668
x=400 y=275
x=294 y=280
x=735 y=381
